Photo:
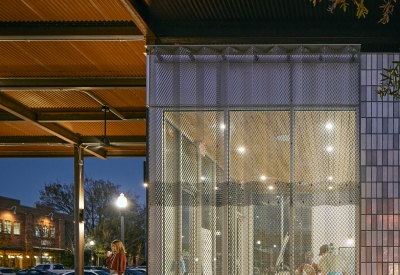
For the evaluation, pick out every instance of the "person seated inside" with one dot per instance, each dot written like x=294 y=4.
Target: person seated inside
x=308 y=267
x=330 y=263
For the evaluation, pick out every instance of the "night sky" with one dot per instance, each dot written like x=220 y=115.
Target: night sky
x=22 y=178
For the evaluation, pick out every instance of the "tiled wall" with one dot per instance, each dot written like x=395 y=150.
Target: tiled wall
x=380 y=251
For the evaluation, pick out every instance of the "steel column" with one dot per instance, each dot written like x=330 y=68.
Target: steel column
x=78 y=210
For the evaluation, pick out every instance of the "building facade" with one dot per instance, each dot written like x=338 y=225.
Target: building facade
x=32 y=235
x=260 y=155
x=379 y=170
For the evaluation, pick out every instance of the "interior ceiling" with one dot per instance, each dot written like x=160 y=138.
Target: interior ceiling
x=62 y=60
x=324 y=144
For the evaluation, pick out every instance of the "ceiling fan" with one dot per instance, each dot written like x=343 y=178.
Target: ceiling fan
x=104 y=141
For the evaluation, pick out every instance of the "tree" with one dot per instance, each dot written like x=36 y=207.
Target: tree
x=361 y=10
x=109 y=229
x=390 y=83
x=102 y=217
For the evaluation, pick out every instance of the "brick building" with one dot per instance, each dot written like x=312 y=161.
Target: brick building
x=30 y=235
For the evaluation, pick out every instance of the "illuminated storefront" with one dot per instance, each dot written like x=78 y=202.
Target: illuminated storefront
x=253 y=158
x=262 y=155
x=31 y=235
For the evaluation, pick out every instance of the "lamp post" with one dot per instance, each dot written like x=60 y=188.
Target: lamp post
x=121 y=203
x=91 y=252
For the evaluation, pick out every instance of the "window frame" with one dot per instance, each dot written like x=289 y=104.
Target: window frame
x=37 y=230
x=45 y=231
x=18 y=227
x=7 y=227
x=52 y=232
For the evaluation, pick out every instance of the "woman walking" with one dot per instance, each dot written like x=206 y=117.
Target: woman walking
x=116 y=259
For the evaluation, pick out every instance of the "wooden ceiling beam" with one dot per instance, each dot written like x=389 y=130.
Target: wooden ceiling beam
x=67 y=83
x=7 y=117
x=141 y=19
x=66 y=154
x=52 y=140
x=118 y=140
x=14 y=107
x=36 y=154
x=128 y=153
x=89 y=116
x=70 y=31
x=79 y=116
x=102 y=102
x=31 y=140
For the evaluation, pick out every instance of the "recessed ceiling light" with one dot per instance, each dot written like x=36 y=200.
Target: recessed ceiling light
x=283 y=138
x=222 y=126
x=330 y=178
x=350 y=241
x=202 y=178
x=328 y=126
x=330 y=187
x=329 y=148
x=270 y=187
x=241 y=149
x=263 y=177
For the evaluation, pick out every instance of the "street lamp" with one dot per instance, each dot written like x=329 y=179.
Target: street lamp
x=121 y=203
x=91 y=252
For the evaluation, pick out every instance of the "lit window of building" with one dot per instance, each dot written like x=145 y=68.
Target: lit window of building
x=17 y=228
x=27 y=237
x=45 y=231
x=37 y=230
x=7 y=227
x=52 y=232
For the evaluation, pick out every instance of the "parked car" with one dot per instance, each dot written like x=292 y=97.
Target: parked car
x=6 y=271
x=90 y=272
x=95 y=268
x=137 y=268
x=135 y=272
x=101 y=272
x=34 y=272
x=54 y=268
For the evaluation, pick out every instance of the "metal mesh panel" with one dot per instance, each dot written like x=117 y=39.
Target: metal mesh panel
x=253 y=76
x=259 y=160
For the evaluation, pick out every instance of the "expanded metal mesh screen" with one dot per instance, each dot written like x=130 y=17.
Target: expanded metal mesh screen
x=253 y=160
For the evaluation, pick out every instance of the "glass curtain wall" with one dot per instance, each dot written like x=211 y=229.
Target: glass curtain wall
x=245 y=187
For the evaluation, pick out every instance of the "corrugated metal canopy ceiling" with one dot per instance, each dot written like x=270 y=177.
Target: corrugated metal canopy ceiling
x=62 y=60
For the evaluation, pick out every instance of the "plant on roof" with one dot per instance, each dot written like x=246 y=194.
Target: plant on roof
x=390 y=83
x=361 y=11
